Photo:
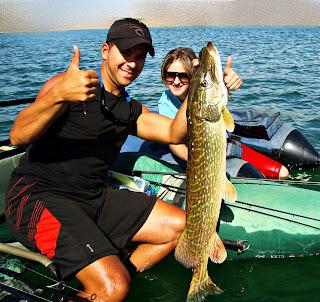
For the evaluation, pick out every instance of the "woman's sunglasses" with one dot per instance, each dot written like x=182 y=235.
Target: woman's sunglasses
x=170 y=76
x=111 y=115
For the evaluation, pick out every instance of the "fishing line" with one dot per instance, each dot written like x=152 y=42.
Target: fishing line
x=52 y=280
x=22 y=294
x=182 y=192
x=243 y=180
x=32 y=286
x=277 y=211
x=274 y=216
x=50 y=288
x=275 y=181
x=173 y=189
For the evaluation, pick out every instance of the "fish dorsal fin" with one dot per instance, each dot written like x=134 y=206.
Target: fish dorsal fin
x=230 y=192
x=217 y=252
x=228 y=119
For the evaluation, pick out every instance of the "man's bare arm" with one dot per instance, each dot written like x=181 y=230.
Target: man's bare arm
x=72 y=86
x=159 y=128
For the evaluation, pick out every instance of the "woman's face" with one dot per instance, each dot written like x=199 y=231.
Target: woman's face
x=177 y=80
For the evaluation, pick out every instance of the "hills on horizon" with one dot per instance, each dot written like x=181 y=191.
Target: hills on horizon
x=170 y=13
x=234 y=12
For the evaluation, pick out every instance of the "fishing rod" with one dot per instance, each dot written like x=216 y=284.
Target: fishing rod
x=5 y=144
x=275 y=210
x=274 y=216
x=16 y=102
x=55 y=290
x=183 y=191
x=242 y=180
x=172 y=188
x=21 y=294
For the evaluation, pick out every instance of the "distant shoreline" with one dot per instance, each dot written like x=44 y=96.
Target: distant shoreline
x=169 y=26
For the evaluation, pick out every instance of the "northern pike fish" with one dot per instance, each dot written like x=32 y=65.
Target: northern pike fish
x=207 y=184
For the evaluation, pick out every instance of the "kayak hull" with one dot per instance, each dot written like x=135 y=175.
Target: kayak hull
x=278 y=220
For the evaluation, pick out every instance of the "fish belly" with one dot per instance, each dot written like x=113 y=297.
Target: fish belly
x=205 y=176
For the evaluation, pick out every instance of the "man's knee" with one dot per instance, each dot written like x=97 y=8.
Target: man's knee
x=107 y=279
x=181 y=221
x=108 y=290
x=117 y=289
x=177 y=226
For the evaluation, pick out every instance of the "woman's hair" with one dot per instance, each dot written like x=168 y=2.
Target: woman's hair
x=185 y=55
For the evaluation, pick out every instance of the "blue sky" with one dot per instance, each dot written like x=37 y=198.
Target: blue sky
x=30 y=15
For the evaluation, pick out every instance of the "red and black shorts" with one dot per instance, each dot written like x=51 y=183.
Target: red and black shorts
x=72 y=232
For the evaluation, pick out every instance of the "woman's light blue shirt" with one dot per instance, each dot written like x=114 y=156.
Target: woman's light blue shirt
x=168 y=104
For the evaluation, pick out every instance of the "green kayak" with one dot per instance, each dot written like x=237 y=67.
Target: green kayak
x=268 y=220
x=275 y=219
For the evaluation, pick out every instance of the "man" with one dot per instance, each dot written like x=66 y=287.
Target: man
x=57 y=200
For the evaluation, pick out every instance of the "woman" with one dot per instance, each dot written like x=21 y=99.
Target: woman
x=177 y=69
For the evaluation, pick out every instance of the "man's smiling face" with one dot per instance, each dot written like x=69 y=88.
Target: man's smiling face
x=122 y=67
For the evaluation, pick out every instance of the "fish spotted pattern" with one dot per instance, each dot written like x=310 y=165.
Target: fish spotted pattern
x=208 y=120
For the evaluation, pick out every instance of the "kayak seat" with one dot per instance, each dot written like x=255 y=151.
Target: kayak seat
x=256 y=124
x=7 y=165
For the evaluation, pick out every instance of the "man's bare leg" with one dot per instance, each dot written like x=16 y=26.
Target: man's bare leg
x=106 y=279
x=159 y=233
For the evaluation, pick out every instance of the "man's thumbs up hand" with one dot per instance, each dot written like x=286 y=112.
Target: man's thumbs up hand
x=75 y=61
x=79 y=85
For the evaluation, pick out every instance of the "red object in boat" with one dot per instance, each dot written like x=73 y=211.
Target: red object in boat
x=267 y=166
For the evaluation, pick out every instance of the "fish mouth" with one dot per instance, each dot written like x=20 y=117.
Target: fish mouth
x=210 y=51
x=206 y=77
x=210 y=47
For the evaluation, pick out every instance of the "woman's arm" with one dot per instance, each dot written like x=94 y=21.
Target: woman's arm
x=179 y=150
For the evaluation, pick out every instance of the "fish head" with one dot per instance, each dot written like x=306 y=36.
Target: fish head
x=218 y=72
x=208 y=94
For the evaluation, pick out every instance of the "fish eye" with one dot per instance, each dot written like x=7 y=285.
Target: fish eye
x=204 y=83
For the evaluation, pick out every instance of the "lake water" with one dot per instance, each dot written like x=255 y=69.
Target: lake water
x=280 y=68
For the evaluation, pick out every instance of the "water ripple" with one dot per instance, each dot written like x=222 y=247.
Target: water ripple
x=279 y=65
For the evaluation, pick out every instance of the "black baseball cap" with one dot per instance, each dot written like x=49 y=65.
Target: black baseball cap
x=129 y=32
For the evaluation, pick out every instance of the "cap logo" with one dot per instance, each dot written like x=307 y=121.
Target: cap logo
x=138 y=30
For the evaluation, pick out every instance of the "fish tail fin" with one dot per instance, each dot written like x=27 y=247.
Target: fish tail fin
x=218 y=252
x=201 y=286
x=183 y=252
x=230 y=193
x=228 y=119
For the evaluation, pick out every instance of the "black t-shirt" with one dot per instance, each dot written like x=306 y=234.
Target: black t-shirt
x=79 y=147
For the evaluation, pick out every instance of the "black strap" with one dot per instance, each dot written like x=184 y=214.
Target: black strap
x=16 y=102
